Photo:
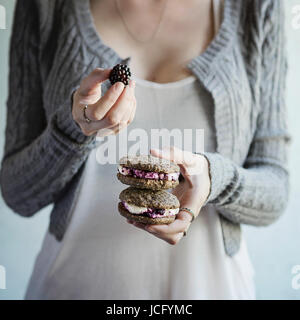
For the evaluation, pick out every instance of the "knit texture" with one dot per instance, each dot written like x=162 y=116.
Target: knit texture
x=54 y=45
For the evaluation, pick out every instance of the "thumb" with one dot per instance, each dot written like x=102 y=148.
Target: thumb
x=176 y=155
x=168 y=153
x=189 y=163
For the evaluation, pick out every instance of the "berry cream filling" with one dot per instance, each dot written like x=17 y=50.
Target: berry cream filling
x=150 y=212
x=136 y=173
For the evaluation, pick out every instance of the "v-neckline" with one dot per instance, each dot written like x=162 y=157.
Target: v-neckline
x=222 y=40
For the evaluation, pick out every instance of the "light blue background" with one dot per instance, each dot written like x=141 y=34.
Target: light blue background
x=274 y=250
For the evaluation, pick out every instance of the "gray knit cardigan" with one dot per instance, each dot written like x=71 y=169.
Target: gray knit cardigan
x=54 y=45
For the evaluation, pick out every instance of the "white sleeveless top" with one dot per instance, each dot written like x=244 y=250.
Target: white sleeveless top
x=103 y=257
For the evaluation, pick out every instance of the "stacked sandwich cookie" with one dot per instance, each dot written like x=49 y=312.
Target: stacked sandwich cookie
x=148 y=172
x=146 y=200
x=148 y=206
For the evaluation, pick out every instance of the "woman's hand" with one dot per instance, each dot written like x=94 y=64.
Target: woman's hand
x=108 y=114
x=192 y=193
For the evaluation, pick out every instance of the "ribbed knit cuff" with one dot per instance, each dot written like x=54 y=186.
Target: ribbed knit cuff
x=221 y=171
x=71 y=129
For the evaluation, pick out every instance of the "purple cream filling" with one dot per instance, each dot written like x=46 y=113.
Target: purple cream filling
x=152 y=213
x=136 y=173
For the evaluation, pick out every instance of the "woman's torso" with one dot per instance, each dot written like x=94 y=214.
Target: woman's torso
x=103 y=257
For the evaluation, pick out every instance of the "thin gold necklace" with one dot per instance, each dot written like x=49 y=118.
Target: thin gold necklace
x=131 y=33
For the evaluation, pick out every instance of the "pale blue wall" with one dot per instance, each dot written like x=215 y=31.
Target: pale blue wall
x=274 y=250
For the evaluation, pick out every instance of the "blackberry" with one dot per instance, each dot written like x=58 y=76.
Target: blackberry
x=120 y=73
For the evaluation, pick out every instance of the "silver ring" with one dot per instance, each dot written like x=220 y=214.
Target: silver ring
x=85 y=116
x=189 y=211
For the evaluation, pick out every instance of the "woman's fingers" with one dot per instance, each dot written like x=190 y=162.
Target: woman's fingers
x=189 y=163
x=171 y=238
x=170 y=233
x=132 y=113
x=193 y=192
x=110 y=114
x=121 y=110
x=178 y=226
x=137 y=224
x=97 y=111
x=175 y=154
x=179 y=190
x=116 y=129
x=114 y=108
x=112 y=130
x=89 y=91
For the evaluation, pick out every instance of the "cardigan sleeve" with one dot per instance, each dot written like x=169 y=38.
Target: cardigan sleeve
x=41 y=157
x=257 y=193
